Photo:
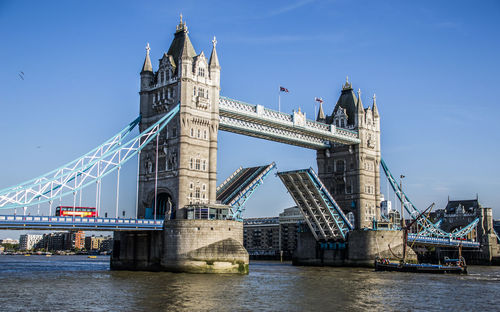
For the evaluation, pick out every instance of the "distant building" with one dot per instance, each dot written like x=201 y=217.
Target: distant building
x=101 y=243
x=266 y=237
x=9 y=241
x=458 y=214
x=54 y=241
x=261 y=236
x=107 y=244
x=74 y=240
x=29 y=241
x=385 y=207
x=289 y=222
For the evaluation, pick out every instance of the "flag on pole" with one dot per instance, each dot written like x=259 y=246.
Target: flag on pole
x=320 y=100
x=283 y=89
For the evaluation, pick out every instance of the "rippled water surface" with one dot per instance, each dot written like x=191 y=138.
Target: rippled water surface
x=77 y=283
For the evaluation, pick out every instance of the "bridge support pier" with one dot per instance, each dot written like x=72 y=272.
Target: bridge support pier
x=361 y=249
x=191 y=246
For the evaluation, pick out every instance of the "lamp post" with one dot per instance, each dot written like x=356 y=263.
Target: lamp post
x=401 y=197
x=405 y=230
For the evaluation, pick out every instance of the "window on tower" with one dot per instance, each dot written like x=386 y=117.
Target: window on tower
x=201 y=71
x=340 y=166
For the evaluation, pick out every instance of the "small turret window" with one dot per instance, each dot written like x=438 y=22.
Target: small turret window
x=201 y=72
x=194 y=91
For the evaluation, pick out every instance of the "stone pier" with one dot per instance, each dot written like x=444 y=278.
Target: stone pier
x=361 y=249
x=192 y=246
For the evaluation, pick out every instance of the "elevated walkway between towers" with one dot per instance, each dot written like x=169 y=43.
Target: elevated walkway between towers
x=236 y=189
x=322 y=214
x=295 y=129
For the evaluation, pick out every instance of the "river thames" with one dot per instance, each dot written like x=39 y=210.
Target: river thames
x=77 y=283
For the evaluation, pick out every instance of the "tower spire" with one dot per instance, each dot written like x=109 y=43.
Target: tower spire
x=374 y=107
x=321 y=114
x=347 y=84
x=147 y=67
x=182 y=25
x=361 y=109
x=214 y=60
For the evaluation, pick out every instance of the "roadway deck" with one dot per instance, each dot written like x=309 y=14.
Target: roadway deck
x=16 y=222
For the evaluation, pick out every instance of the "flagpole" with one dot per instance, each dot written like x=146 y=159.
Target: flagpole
x=279 y=99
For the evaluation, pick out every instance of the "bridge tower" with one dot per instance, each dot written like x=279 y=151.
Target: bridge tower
x=352 y=173
x=180 y=169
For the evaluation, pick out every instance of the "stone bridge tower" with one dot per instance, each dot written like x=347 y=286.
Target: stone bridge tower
x=352 y=173
x=184 y=170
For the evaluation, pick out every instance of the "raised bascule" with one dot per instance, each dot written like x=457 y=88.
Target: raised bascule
x=185 y=222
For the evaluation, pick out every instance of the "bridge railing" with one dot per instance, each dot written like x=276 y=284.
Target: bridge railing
x=441 y=241
x=262 y=113
x=74 y=220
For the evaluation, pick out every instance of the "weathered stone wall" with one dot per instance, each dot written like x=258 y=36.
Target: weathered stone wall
x=194 y=246
x=204 y=246
x=363 y=246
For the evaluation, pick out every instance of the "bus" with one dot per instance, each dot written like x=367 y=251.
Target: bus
x=69 y=211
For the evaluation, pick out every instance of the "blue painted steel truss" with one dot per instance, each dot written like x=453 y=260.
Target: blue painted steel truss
x=242 y=193
x=429 y=228
x=84 y=171
x=321 y=212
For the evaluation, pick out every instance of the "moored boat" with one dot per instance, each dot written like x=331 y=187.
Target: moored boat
x=451 y=266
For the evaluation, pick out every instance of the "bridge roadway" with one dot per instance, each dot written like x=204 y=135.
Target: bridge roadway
x=20 y=222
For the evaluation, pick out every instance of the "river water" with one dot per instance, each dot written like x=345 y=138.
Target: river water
x=77 y=283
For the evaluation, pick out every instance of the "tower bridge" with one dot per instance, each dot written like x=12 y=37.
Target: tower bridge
x=182 y=112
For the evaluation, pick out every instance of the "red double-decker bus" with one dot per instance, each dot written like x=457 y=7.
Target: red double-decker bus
x=85 y=212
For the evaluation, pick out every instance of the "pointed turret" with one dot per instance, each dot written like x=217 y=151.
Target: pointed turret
x=360 y=107
x=360 y=110
x=214 y=60
x=347 y=101
x=374 y=107
x=147 y=67
x=213 y=64
x=147 y=71
x=321 y=114
x=181 y=46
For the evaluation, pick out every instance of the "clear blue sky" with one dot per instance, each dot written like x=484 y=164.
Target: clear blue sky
x=434 y=66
